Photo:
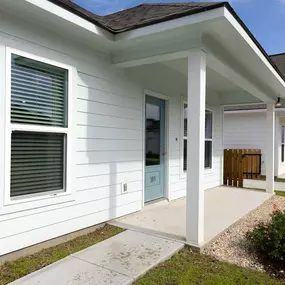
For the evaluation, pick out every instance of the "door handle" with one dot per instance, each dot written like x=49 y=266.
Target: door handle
x=164 y=154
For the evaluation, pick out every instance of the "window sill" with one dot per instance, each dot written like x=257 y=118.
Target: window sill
x=183 y=176
x=207 y=171
x=18 y=205
x=36 y=197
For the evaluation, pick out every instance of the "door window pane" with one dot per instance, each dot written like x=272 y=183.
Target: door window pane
x=152 y=134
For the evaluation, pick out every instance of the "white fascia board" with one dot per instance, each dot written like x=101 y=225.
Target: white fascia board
x=171 y=24
x=232 y=20
x=245 y=111
x=252 y=111
x=162 y=54
x=70 y=17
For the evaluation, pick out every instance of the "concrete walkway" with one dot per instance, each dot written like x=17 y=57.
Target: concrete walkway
x=119 y=260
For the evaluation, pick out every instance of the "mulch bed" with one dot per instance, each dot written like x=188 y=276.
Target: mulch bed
x=274 y=268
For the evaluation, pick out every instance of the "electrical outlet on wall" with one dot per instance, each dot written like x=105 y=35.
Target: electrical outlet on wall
x=124 y=188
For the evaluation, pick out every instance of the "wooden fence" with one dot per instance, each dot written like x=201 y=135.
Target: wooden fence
x=240 y=164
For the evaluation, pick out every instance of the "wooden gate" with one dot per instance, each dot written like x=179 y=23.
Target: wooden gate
x=240 y=164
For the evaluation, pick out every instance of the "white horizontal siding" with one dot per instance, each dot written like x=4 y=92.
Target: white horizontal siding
x=93 y=132
x=38 y=235
x=95 y=95
x=96 y=108
x=108 y=128
x=90 y=157
x=85 y=119
x=84 y=170
x=112 y=145
x=32 y=222
x=245 y=130
x=107 y=125
x=90 y=182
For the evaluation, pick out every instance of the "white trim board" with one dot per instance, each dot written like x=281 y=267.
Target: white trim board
x=252 y=111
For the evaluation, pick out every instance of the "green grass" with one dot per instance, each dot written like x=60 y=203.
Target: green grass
x=187 y=268
x=280 y=193
x=13 y=270
x=255 y=189
x=276 y=179
x=277 y=192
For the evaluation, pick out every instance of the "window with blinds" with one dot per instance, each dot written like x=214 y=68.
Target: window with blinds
x=185 y=130
x=38 y=93
x=208 y=137
x=36 y=163
x=38 y=98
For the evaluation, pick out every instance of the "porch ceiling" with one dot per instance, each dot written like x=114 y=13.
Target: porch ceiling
x=227 y=92
x=215 y=81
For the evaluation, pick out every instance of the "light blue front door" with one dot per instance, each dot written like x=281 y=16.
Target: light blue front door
x=154 y=148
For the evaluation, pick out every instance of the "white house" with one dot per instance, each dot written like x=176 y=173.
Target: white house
x=245 y=127
x=77 y=90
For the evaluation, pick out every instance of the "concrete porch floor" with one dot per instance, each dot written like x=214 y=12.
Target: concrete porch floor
x=223 y=207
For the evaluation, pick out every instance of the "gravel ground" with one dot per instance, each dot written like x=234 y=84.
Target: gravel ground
x=232 y=245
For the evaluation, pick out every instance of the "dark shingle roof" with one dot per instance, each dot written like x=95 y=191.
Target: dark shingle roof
x=149 y=14
x=279 y=61
x=139 y=16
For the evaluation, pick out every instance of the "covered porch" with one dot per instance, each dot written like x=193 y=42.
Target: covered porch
x=224 y=206
x=198 y=66
x=203 y=209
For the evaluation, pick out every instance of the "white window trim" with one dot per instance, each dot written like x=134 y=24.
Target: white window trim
x=282 y=143
x=9 y=127
x=208 y=170
x=183 y=174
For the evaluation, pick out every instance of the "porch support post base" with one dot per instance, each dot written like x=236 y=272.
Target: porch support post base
x=196 y=147
x=269 y=155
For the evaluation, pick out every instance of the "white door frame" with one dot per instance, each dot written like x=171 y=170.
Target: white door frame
x=166 y=159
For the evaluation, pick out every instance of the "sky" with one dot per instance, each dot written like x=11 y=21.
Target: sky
x=264 y=18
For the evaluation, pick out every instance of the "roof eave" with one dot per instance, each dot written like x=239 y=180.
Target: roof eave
x=235 y=15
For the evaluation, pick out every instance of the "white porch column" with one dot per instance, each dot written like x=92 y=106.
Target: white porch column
x=196 y=147
x=269 y=155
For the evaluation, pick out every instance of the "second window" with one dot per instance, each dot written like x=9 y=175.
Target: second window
x=208 y=138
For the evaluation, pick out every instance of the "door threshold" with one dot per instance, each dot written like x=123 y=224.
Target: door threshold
x=156 y=201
